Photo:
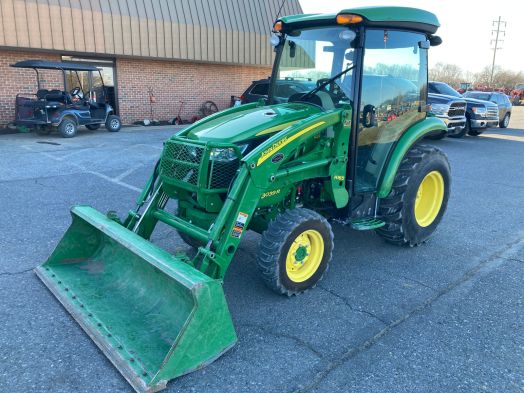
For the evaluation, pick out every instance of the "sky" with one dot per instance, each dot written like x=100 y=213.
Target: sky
x=465 y=29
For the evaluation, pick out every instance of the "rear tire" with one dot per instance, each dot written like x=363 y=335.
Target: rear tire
x=67 y=128
x=92 y=127
x=113 y=123
x=295 y=251
x=411 y=212
x=504 y=123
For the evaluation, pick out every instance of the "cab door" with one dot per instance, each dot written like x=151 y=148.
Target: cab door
x=392 y=99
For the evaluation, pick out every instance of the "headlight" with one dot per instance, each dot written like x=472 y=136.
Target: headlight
x=226 y=154
x=440 y=109
x=479 y=110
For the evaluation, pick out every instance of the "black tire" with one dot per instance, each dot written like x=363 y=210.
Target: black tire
x=459 y=134
x=276 y=242
x=190 y=241
x=113 y=123
x=398 y=208
x=504 y=123
x=92 y=127
x=67 y=127
x=475 y=132
x=437 y=135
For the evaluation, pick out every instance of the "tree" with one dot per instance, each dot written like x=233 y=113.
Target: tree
x=451 y=74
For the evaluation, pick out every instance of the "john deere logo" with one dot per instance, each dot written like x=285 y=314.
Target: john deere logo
x=277 y=158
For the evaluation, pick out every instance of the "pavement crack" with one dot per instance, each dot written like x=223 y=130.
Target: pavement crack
x=350 y=306
x=273 y=333
x=417 y=282
x=16 y=273
x=514 y=260
x=354 y=351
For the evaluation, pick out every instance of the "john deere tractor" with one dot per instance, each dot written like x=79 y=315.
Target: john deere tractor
x=340 y=146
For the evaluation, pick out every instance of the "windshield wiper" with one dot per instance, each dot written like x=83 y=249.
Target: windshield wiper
x=327 y=82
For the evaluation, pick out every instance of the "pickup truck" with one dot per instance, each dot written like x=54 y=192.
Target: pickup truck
x=479 y=114
x=450 y=109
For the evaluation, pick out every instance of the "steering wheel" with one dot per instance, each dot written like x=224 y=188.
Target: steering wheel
x=77 y=93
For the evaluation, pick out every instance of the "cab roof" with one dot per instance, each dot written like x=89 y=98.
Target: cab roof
x=392 y=17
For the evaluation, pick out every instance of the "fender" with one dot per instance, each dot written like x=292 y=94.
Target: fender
x=410 y=137
x=67 y=113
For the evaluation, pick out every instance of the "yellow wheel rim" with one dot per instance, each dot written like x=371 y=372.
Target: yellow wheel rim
x=304 y=256
x=429 y=198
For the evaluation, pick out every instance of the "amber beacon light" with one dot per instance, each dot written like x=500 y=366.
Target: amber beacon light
x=346 y=19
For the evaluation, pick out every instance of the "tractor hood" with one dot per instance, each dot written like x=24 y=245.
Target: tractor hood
x=262 y=121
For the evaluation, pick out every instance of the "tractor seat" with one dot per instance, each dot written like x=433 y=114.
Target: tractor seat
x=320 y=99
x=55 y=95
x=41 y=93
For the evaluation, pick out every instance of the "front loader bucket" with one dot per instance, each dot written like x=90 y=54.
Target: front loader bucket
x=152 y=314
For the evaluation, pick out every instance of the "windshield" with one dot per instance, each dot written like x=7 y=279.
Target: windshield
x=310 y=57
x=442 y=88
x=479 y=96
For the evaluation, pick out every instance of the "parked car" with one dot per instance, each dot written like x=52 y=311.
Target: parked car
x=452 y=110
x=65 y=109
x=285 y=88
x=479 y=114
x=502 y=101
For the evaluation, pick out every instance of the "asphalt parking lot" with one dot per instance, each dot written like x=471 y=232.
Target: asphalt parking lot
x=443 y=317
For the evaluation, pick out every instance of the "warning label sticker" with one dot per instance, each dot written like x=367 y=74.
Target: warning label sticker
x=240 y=223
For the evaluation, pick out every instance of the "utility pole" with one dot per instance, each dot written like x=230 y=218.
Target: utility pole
x=496 y=42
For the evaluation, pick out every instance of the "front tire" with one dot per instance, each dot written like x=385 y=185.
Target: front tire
x=113 y=123
x=67 y=128
x=475 y=132
x=504 y=123
x=418 y=199
x=295 y=251
x=459 y=134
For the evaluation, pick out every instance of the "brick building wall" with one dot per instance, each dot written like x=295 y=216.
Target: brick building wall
x=170 y=82
x=173 y=81
x=18 y=80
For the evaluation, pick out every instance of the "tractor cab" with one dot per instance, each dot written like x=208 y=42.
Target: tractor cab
x=77 y=97
x=376 y=69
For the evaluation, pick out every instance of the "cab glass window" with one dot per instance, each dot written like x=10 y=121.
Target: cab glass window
x=394 y=84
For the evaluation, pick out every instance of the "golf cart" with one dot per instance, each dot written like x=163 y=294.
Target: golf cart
x=66 y=109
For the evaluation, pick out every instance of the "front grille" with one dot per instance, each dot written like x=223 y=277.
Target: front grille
x=186 y=163
x=222 y=173
x=181 y=162
x=492 y=111
x=457 y=109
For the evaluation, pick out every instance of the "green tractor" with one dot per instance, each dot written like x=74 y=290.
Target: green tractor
x=345 y=150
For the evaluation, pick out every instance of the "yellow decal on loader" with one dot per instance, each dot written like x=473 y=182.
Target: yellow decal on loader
x=280 y=127
x=340 y=178
x=284 y=141
x=270 y=193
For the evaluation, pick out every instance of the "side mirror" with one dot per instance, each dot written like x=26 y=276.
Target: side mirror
x=292 y=49
x=435 y=40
